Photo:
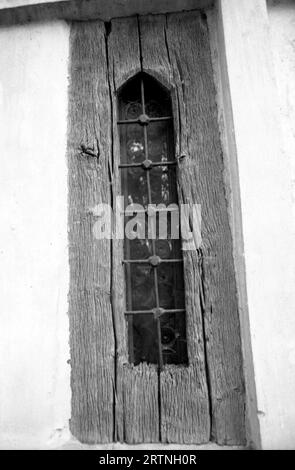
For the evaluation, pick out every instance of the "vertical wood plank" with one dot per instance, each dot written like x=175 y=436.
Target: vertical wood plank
x=201 y=181
x=124 y=51
x=90 y=311
x=137 y=415
x=185 y=414
x=141 y=406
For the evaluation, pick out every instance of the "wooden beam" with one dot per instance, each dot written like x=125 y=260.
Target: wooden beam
x=92 y=339
x=23 y=11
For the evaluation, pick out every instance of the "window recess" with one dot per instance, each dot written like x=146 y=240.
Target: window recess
x=153 y=266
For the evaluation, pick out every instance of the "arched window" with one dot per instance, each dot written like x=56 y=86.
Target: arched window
x=153 y=261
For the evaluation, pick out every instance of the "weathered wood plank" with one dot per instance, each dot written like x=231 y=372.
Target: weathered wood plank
x=90 y=312
x=137 y=417
x=141 y=407
x=82 y=10
x=124 y=51
x=201 y=180
x=185 y=414
x=92 y=367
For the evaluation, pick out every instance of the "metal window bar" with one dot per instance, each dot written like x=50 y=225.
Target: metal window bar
x=149 y=261
x=144 y=119
x=148 y=210
x=151 y=164
x=153 y=311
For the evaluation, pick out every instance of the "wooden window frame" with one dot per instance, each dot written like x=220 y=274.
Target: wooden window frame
x=204 y=400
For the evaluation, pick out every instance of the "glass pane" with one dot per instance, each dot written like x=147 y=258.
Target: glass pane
x=173 y=338
x=160 y=141
x=141 y=293
x=138 y=249
x=168 y=231
x=141 y=248
x=158 y=103
x=156 y=285
x=145 y=341
x=170 y=286
x=134 y=186
x=132 y=143
x=163 y=185
x=130 y=106
x=164 y=248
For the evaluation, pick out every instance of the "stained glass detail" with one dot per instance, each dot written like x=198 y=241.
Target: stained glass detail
x=155 y=303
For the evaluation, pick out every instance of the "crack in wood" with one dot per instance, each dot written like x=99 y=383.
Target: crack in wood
x=205 y=340
x=108 y=28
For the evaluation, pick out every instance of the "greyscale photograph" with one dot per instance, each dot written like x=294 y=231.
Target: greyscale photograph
x=147 y=232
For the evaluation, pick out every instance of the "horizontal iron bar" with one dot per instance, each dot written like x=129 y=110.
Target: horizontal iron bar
x=137 y=121
x=142 y=312
x=144 y=211
x=147 y=261
x=139 y=165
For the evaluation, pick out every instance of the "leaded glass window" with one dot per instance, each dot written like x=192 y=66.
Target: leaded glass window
x=155 y=304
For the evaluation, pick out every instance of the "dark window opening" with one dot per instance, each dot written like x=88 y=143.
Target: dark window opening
x=155 y=301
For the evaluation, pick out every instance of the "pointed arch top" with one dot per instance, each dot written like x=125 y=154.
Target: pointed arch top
x=144 y=91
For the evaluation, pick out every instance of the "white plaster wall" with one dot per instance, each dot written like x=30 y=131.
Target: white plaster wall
x=282 y=33
x=20 y=3
x=34 y=383
x=265 y=180
x=282 y=24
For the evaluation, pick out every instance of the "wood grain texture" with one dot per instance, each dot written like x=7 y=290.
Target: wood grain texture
x=185 y=414
x=90 y=311
x=82 y=10
x=141 y=406
x=136 y=387
x=201 y=181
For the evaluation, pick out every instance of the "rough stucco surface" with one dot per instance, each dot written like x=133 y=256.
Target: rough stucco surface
x=268 y=228
x=276 y=392
x=34 y=387
x=18 y=3
x=282 y=23
x=282 y=28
